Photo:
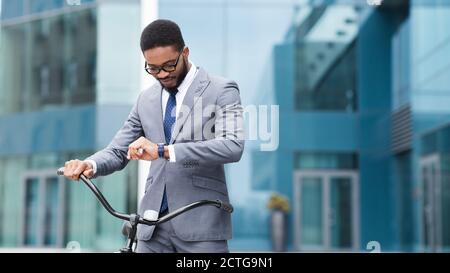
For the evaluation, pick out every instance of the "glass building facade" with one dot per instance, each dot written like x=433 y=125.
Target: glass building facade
x=365 y=122
x=61 y=99
x=55 y=62
x=362 y=90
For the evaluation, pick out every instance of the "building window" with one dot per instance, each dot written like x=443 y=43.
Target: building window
x=401 y=66
x=72 y=77
x=31 y=211
x=51 y=61
x=51 y=211
x=325 y=160
x=325 y=201
x=435 y=181
x=331 y=88
x=326 y=60
x=44 y=203
x=44 y=81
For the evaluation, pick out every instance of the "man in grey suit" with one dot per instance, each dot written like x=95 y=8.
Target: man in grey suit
x=189 y=124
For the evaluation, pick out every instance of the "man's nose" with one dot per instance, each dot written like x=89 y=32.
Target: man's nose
x=162 y=74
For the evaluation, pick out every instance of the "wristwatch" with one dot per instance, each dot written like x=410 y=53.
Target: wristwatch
x=160 y=150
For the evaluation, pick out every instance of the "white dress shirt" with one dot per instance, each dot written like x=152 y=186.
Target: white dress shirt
x=179 y=97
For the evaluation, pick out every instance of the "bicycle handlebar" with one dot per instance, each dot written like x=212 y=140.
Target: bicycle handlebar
x=217 y=203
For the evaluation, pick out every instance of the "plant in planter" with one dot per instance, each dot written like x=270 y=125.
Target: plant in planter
x=279 y=206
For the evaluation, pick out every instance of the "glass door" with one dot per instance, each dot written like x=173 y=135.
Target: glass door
x=340 y=212
x=432 y=220
x=325 y=210
x=44 y=205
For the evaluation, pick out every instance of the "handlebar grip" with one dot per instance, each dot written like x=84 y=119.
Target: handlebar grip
x=60 y=171
x=226 y=206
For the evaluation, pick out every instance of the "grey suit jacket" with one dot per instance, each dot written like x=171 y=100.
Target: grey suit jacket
x=208 y=133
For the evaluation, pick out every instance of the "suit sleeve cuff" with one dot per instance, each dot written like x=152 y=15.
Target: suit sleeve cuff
x=94 y=165
x=171 y=153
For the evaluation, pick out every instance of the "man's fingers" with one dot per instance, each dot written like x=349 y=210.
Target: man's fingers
x=74 y=168
x=135 y=151
x=131 y=152
x=80 y=167
x=70 y=169
x=88 y=173
x=137 y=154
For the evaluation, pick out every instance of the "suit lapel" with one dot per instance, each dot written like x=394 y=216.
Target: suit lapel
x=195 y=91
x=155 y=112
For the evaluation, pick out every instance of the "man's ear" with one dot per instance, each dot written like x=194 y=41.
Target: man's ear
x=186 y=51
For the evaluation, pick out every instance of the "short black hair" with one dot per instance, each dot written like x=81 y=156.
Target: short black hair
x=162 y=33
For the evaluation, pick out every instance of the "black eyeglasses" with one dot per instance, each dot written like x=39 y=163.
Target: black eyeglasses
x=154 y=70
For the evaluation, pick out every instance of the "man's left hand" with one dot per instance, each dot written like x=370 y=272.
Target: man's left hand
x=142 y=149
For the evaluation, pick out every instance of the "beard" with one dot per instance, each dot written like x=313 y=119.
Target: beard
x=180 y=78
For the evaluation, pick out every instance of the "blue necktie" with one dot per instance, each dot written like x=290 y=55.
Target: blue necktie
x=170 y=116
x=169 y=120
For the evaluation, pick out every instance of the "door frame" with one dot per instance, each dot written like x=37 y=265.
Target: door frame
x=434 y=196
x=42 y=175
x=326 y=176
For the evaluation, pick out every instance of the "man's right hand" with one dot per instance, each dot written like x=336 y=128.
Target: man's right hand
x=74 y=168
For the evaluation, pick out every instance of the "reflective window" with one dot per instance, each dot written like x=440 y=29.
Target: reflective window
x=49 y=62
x=322 y=160
x=401 y=66
x=52 y=212
x=311 y=220
x=11 y=8
x=44 y=209
x=435 y=178
x=341 y=213
x=17 y=8
x=32 y=211
x=325 y=64
x=403 y=174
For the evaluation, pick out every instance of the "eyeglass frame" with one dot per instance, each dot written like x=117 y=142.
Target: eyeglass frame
x=162 y=67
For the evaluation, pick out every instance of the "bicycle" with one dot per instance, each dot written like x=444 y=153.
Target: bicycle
x=150 y=217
